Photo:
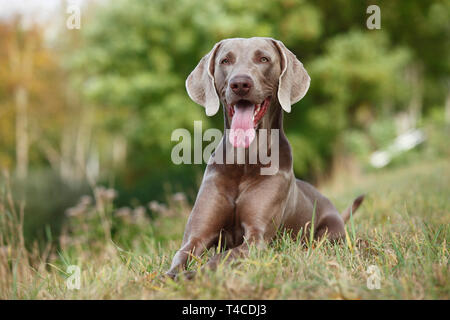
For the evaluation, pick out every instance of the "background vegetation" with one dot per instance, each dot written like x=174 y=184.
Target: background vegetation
x=80 y=109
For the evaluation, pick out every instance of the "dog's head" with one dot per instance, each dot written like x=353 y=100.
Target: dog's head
x=247 y=75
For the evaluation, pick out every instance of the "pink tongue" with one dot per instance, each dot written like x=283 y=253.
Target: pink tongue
x=242 y=131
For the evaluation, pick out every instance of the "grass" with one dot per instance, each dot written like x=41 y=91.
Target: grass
x=402 y=229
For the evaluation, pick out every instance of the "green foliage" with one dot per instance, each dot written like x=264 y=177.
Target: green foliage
x=355 y=79
x=137 y=54
x=359 y=70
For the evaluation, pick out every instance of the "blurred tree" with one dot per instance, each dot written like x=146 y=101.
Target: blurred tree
x=35 y=97
x=19 y=54
x=38 y=126
x=137 y=54
x=423 y=27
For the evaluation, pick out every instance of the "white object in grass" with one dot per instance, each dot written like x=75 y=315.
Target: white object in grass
x=403 y=142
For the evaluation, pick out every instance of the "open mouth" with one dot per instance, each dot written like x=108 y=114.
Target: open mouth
x=245 y=116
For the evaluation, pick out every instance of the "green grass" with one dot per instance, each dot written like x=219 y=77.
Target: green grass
x=402 y=228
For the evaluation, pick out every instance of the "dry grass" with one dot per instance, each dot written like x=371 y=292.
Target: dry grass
x=402 y=228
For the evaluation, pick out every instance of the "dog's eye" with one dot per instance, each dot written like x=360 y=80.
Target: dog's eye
x=225 y=61
x=264 y=59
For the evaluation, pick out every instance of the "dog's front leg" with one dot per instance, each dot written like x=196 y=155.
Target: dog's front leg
x=210 y=214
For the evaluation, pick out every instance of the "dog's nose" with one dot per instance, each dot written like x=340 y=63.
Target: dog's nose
x=241 y=84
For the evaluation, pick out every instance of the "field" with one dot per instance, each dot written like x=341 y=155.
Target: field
x=402 y=229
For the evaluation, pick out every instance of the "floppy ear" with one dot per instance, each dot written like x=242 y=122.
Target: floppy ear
x=294 y=80
x=200 y=83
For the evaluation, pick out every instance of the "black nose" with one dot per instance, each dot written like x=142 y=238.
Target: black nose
x=241 y=84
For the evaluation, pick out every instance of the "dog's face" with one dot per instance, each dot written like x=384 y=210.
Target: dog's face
x=246 y=75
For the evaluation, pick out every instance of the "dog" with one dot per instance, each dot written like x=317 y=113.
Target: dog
x=255 y=79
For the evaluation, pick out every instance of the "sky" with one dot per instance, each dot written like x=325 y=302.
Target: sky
x=34 y=11
x=39 y=11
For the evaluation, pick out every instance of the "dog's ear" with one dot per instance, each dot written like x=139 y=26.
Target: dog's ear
x=200 y=83
x=294 y=80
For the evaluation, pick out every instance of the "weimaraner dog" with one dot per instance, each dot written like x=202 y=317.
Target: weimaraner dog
x=255 y=79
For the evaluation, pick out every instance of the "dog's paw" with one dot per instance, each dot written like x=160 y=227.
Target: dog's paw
x=189 y=275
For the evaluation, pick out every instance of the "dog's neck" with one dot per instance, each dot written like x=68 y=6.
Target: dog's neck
x=273 y=119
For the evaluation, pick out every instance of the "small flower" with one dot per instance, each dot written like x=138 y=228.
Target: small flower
x=75 y=211
x=139 y=215
x=179 y=197
x=105 y=195
x=123 y=212
x=85 y=200
x=157 y=207
x=111 y=194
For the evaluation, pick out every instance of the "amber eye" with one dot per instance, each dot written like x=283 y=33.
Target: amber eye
x=225 y=61
x=264 y=59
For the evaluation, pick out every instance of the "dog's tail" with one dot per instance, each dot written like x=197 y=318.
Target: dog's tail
x=352 y=208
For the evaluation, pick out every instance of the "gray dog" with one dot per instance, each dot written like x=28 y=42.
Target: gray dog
x=255 y=79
